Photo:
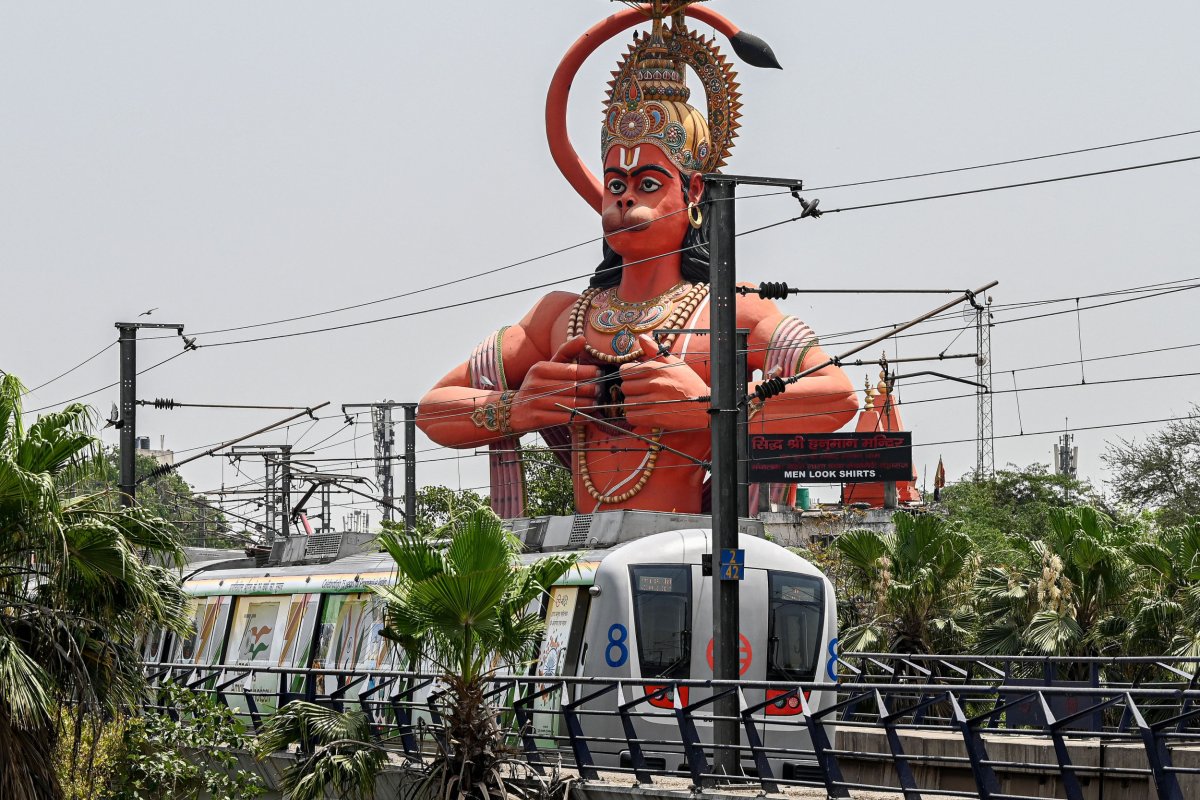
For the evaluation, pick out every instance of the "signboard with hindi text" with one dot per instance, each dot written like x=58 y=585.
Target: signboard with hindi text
x=868 y=457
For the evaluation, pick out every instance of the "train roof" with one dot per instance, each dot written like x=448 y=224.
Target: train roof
x=351 y=574
x=357 y=573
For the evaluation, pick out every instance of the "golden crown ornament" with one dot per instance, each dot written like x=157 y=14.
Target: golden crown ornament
x=648 y=94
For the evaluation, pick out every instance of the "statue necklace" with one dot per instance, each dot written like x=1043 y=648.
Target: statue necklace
x=672 y=309
x=608 y=313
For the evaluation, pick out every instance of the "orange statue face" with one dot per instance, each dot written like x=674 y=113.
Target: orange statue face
x=644 y=202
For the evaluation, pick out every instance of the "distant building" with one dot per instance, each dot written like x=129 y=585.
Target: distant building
x=164 y=457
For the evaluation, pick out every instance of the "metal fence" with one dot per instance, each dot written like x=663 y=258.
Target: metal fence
x=892 y=723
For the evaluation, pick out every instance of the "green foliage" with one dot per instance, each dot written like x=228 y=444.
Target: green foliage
x=192 y=758
x=1014 y=504
x=90 y=764
x=74 y=587
x=463 y=607
x=549 y=488
x=466 y=609
x=1164 y=614
x=1060 y=595
x=1162 y=473
x=440 y=506
x=166 y=496
x=334 y=747
x=908 y=589
x=1019 y=566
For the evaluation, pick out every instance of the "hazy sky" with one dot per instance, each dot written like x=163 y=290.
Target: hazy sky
x=234 y=163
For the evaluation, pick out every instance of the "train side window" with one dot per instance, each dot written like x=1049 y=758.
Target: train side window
x=662 y=612
x=796 y=614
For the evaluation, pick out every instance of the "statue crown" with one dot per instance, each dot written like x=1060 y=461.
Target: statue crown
x=648 y=97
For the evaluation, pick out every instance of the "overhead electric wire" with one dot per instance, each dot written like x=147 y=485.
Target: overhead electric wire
x=102 y=388
x=86 y=361
x=593 y=240
x=982 y=190
x=1019 y=369
x=545 y=285
x=1002 y=163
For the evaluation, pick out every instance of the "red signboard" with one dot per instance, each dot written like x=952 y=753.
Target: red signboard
x=831 y=457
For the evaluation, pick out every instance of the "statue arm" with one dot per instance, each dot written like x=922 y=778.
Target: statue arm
x=463 y=411
x=783 y=345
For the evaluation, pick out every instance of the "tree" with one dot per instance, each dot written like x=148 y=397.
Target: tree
x=187 y=755
x=1013 y=504
x=75 y=590
x=466 y=608
x=909 y=589
x=165 y=495
x=549 y=487
x=1164 y=613
x=1062 y=594
x=439 y=507
x=1162 y=473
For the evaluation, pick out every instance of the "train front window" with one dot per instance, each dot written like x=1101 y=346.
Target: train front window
x=796 y=613
x=662 y=612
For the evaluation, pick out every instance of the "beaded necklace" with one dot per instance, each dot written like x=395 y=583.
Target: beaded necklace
x=628 y=319
x=579 y=444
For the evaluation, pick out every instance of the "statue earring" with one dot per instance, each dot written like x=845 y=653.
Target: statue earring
x=695 y=215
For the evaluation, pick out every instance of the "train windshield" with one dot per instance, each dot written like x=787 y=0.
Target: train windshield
x=794 y=627
x=662 y=612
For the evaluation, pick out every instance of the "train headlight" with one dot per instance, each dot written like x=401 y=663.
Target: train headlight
x=594 y=590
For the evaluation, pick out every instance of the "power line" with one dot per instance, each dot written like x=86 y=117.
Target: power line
x=102 y=388
x=86 y=361
x=593 y=240
x=1005 y=163
x=752 y=231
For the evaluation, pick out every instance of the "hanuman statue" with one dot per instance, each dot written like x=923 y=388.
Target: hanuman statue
x=588 y=370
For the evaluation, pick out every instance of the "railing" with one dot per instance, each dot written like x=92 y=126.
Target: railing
x=1143 y=710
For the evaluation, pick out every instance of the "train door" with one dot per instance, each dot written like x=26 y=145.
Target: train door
x=566 y=613
x=752 y=637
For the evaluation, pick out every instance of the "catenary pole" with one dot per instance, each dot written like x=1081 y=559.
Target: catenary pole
x=127 y=421
x=723 y=410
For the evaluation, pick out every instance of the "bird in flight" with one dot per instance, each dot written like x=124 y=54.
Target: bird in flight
x=148 y=313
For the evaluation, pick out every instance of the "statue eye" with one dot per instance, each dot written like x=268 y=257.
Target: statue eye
x=650 y=185
x=616 y=186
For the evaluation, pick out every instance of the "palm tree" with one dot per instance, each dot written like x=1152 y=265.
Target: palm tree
x=466 y=610
x=75 y=592
x=1164 y=613
x=908 y=587
x=1062 y=594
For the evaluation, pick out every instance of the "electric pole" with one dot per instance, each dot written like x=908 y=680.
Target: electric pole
x=985 y=456
x=277 y=460
x=723 y=411
x=728 y=372
x=385 y=437
x=126 y=422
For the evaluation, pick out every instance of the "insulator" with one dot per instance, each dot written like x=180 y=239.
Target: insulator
x=769 y=388
x=164 y=403
x=773 y=290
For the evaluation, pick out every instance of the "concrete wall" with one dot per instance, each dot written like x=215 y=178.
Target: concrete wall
x=792 y=528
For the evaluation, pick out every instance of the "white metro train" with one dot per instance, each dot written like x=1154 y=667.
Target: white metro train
x=640 y=609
